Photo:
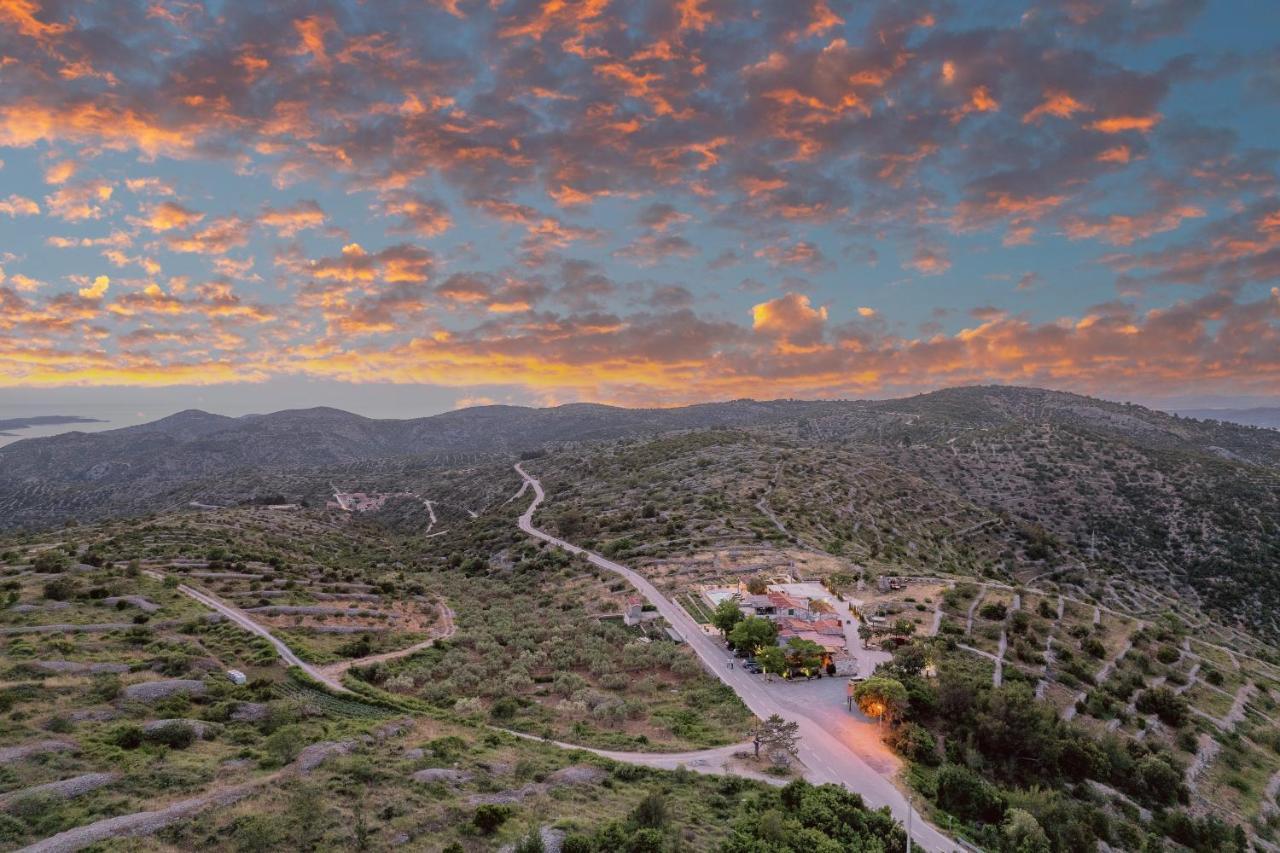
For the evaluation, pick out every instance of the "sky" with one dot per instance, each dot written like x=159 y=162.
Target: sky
x=406 y=206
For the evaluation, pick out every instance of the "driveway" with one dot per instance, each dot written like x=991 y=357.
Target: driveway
x=831 y=747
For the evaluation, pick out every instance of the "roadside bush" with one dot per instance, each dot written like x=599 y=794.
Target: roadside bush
x=916 y=743
x=967 y=795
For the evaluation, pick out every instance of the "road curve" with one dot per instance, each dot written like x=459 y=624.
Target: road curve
x=714 y=761
x=447 y=630
x=826 y=757
x=239 y=617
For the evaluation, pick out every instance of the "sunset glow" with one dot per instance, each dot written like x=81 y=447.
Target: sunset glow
x=644 y=203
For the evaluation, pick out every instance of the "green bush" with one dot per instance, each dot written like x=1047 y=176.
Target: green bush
x=967 y=795
x=60 y=589
x=174 y=734
x=489 y=817
x=127 y=736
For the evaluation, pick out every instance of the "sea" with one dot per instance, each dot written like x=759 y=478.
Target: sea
x=105 y=416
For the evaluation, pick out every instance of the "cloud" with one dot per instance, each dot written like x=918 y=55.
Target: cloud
x=567 y=161
x=790 y=318
x=60 y=172
x=168 y=216
x=97 y=289
x=417 y=215
x=288 y=221
x=929 y=260
x=80 y=201
x=220 y=236
x=16 y=205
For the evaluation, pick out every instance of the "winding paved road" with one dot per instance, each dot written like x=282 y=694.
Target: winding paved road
x=831 y=751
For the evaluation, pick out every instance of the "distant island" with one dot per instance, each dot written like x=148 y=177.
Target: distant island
x=6 y=426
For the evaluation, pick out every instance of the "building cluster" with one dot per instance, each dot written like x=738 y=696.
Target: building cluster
x=361 y=501
x=804 y=611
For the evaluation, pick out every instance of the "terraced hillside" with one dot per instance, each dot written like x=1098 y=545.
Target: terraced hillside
x=1098 y=575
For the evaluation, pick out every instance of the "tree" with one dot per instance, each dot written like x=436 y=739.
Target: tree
x=1160 y=782
x=904 y=627
x=804 y=655
x=757 y=586
x=772 y=659
x=1022 y=833
x=910 y=660
x=753 y=634
x=726 y=615
x=1171 y=708
x=967 y=795
x=881 y=697
x=776 y=735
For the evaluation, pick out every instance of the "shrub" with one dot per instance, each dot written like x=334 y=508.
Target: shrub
x=127 y=736
x=993 y=610
x=651 y=811
x=174 y=734
x=1159 y=782
x=531 y=843
x=915 y=742
x=50 y=562
x=489 y=817
x=1171 y=708
x=59 y=725
x=60 y=589
x=285 y=743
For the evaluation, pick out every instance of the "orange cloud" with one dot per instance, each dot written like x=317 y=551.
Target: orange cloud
x=1056 y=103
x=1121 y=124
x=418 y=215
x=81 y=201
x=311 y=37
x=27 y=122
x=1123 y=230
x=693 y=16
x=288 y=221
x=97 y=289
x=21 y=16
x=790 y=317
x=218 y=237
x=16 y=205
x=1118 y=154
x=168 y=216
x=60 y=172
x=929 y=261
